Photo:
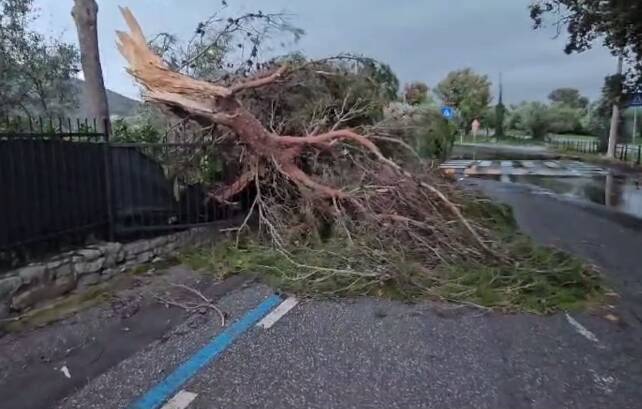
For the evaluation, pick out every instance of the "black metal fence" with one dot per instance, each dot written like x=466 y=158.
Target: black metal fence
x=623 y=152
x=583 y=146
x=64 y=183
x=629 y=153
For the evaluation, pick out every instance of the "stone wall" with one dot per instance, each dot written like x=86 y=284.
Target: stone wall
x=37 y=282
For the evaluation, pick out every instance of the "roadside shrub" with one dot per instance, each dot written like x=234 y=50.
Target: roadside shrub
x=422 y=127
x=135 y=131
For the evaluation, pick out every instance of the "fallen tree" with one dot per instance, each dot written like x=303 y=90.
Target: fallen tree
x=209 y=104
x=330 y=184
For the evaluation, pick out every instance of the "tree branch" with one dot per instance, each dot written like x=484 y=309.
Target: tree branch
x=235 y=188
x=259 y=81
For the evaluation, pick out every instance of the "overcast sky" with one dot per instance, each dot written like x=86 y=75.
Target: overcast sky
x=420 y=39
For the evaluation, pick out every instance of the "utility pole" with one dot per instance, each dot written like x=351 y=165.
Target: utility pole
x=615 y=115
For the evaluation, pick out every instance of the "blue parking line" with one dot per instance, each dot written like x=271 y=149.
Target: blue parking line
x=162 y=392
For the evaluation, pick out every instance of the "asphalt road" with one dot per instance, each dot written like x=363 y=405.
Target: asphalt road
x=369 y=353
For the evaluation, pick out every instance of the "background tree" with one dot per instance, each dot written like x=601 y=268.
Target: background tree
x=617 y=22
x=488 y=120
x=513 y=118
x=564 y=119
x=35 y=71
x=416 y=93
x=85 y=14
x=569 y=97
x=534 y=118
x=468 y=92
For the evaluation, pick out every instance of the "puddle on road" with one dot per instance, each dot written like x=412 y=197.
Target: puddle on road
x=619 y=192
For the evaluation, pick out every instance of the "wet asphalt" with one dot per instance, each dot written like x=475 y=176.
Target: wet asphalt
x=369 y=353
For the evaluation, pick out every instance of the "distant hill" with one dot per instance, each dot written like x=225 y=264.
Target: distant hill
x=119 y=105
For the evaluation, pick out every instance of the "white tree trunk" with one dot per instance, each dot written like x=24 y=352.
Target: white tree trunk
x=85 y=14
x=615 y=118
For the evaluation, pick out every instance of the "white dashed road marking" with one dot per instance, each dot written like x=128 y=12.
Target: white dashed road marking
x=180 y=401
x=277 y=313
x=582 y=330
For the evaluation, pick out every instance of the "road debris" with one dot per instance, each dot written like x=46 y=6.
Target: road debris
x=66 y=372
x=191 y=306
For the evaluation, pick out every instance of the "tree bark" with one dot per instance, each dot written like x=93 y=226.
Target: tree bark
x=85 y=14
x=615 y=118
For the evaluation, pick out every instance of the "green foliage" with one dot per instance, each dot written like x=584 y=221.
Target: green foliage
x=564 y=119
x=416 y=93
x=352 y=90
x=382 y=76
x=35 y=72
x=568 y=97
x=545 y=281
x=132 y=131
x=432 y=135
x=540 y=280
x=488 y=118
x=421 y=127
x=468 y=92
x=534 y=118
x=617 y=22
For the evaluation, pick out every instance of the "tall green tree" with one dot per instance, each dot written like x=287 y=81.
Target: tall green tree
x=416 y=93
x=564 y=119
x=468 y=92
x=533 y=117
x=569 y=97
x=35 y=71
x=617 y=22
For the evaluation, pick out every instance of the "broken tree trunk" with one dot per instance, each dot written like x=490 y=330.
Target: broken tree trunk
x=85 y=14
x=209 y=103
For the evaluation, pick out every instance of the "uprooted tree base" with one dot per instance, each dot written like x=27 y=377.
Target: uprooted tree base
x=332 y=190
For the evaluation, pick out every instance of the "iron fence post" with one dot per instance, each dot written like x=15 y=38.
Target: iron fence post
x=639 y=154
x=108 y=182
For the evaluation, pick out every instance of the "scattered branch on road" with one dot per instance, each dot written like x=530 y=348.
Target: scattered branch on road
x=192 y=306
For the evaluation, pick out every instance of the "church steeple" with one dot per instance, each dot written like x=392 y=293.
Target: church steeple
x=501 y=90
x=500 y=110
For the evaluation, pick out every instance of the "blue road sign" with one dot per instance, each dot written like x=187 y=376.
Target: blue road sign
x=636 y=101
x=448 y=112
